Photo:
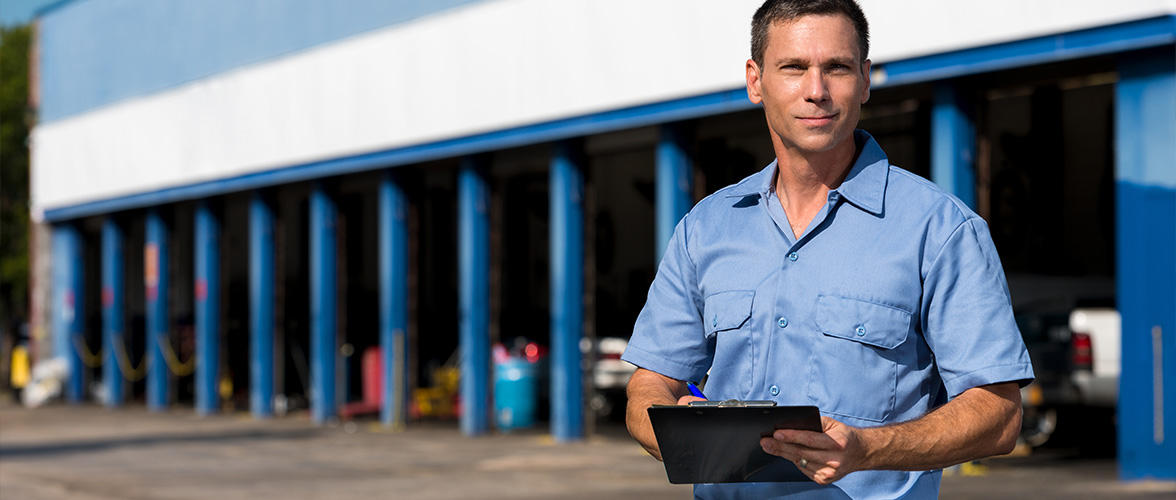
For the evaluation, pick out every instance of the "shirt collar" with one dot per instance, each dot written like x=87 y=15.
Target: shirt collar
x=864 y=185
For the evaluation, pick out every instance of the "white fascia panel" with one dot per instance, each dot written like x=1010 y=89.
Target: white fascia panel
x=912 y=28
x=486 y=67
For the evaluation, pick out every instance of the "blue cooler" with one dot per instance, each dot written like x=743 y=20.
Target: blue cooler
x=515 y=393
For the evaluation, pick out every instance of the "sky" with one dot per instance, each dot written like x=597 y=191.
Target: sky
x=19 y=11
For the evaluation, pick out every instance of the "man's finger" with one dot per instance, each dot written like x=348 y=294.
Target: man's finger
x=790 y=452
x=808 y=439
x=779 y=448
x=828 y=423
x=825 y=475
x=815 y=458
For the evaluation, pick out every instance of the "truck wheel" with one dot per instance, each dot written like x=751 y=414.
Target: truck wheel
x=1037 y=425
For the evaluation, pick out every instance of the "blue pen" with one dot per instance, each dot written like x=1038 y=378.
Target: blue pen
x=694 y=390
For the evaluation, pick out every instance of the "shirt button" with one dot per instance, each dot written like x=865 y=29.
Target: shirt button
x=783 y=322
x=861 y=330
x=775 y=391
x=715 y=321
x=792 y=256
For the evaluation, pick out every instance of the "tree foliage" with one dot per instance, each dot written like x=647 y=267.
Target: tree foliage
x=14 y=173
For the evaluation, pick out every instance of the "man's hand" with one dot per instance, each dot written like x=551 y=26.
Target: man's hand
x=980 y=422
x=822 y=456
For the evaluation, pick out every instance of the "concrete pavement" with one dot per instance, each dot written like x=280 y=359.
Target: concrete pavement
x=89 y=452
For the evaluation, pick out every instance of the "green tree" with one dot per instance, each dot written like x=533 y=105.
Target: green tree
x=14 y=173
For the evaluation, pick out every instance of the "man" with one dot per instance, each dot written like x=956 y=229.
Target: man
x=835 y=279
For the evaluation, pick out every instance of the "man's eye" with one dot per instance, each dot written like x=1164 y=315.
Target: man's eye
x=792 y=67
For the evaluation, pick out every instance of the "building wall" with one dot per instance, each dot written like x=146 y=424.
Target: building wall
x=486 y=66
x=96 y=53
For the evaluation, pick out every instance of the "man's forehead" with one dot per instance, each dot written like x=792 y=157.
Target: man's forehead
x=792 y=38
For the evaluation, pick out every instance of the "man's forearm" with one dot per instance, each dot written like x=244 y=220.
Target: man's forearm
x=645 y=389
x=980 y=422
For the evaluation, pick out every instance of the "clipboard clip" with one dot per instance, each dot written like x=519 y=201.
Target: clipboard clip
x=733 y=403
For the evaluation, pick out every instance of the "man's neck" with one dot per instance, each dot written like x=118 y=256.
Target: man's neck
x=803 y=181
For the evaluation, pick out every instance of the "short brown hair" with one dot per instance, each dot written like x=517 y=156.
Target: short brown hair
x=777 y=11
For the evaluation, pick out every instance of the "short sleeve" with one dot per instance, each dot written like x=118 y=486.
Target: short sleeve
x=967 y=314
x=668 y=337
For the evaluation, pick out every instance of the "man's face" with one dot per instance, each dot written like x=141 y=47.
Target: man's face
x=812 y=83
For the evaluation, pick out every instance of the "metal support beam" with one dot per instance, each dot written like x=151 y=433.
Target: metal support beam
x=155 y=281
x=323 y=291
x=474 y=293
x=207 y=293
x=393 y=251
x=1145 y=223
x=69 y=313
x=567 y=292
x=113 y=325
x=953 y=144
x=674 y=179
x=261 y=306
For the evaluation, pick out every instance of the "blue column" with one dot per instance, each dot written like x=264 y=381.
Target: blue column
x=261 y=306
x=953 y=145
x=69 y=310
x=1145 y=150
x=393 y=251
x=155 y=281
x=674 y=179
x=207 y=293
x=567 y=292
x=112 y=309
x=322 y=304
x=474 y=293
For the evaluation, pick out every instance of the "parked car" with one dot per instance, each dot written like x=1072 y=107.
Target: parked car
x=610 y=375
x=1075 y=354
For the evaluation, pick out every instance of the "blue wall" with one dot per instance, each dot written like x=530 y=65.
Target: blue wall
x=96 y=52
x=1145 y=125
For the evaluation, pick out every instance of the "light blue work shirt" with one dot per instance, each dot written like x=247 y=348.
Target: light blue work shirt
x=892 y=302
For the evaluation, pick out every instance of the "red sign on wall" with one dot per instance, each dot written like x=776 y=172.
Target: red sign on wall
x=151 y=270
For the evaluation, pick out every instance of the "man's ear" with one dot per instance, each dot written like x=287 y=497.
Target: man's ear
x=866 y=79
x=753 y=82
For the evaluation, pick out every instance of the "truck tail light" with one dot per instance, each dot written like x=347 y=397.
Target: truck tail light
x=1083 y=354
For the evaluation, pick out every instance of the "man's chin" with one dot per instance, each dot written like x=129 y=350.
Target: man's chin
x=816 y=144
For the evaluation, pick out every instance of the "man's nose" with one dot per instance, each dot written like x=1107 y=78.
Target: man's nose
x=815 y=88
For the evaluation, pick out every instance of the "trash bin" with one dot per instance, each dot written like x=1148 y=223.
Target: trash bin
x=515 y=393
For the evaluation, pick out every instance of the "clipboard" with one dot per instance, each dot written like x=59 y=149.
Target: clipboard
x=720 y=443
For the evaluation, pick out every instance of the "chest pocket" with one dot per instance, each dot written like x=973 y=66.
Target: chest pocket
x=727 y=318
x=854 y=369
x=727 y=310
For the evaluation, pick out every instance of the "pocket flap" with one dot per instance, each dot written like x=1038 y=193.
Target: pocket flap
x=727 y=310
x=861 y=321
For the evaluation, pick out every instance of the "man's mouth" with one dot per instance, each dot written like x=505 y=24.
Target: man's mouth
x=817 y=120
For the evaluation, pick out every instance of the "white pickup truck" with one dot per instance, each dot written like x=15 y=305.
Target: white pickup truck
x=1096 y=343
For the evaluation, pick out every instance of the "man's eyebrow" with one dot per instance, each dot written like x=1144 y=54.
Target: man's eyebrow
x=848 y=61
x=788 y=61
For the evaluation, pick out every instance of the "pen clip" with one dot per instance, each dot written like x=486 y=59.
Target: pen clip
x=695 y=391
